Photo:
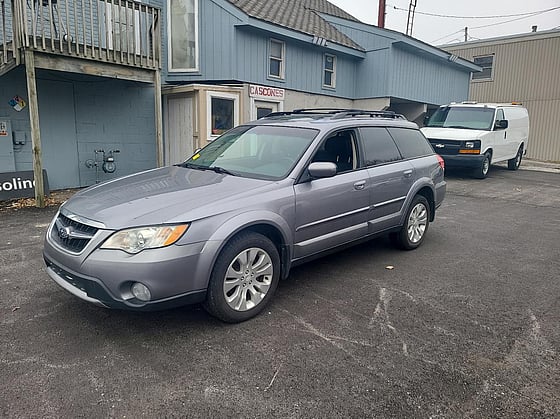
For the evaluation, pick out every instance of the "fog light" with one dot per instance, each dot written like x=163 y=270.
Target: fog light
x=140 y=291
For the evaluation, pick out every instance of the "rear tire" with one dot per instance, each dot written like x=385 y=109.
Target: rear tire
x=244 y=278
x=513 y=164
x=482 y=171
x=415 y=226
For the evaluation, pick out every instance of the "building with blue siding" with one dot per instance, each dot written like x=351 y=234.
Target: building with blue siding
x=154 y=80
x=230 y=61
x=80 y=80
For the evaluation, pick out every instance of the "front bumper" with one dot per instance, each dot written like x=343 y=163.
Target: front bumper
x=467 y=161
x=94 y=291
x=175 y=275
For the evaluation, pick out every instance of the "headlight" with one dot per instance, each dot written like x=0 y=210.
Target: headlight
x=135 y=240
x=470 y=147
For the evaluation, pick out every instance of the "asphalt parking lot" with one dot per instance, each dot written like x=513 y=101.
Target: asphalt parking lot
x=465 y=326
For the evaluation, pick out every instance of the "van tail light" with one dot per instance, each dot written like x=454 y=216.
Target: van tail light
x=441 y=162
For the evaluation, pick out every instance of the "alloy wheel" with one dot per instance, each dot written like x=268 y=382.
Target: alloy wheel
x=417 y=222
x=248 y=279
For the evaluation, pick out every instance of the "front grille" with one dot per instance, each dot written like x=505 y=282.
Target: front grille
x=445 y=147
x=71 y=235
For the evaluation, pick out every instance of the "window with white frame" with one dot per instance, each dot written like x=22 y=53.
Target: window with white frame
x=487 y=64
x=329 y=71
x=222 y=112
x=277 y=51
x=183 y=35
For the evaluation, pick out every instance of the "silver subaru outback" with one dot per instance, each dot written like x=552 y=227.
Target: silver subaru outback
x=226 y=225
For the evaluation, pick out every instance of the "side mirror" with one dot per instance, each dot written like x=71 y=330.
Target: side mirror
x=322 y=169
x=426 y=119
x=501 y=124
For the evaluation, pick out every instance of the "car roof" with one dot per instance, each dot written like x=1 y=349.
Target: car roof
x=469 y=104
x=327 y=119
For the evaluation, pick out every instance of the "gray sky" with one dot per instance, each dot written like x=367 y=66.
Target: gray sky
x=443 y=30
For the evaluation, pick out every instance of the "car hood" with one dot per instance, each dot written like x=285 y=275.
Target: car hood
x=452 y=133
x=165 y=195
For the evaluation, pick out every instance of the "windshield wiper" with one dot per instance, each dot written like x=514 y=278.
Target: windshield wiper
x=458 y=126
x=219 y=169
x=192 y=166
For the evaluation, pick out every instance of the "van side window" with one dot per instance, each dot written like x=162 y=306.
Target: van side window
x=339 y=148
x=500 y=115
x=411 y=142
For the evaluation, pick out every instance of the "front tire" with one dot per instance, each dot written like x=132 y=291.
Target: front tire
x=484 y=167
x=244 y=278
x=513 y=164
x=416 y=223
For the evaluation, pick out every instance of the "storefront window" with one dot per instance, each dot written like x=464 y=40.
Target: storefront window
x=223 y=112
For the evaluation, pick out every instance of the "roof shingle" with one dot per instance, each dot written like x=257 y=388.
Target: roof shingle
x=300 y=15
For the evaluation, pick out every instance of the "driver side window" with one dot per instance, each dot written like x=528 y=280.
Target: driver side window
x=339 y=148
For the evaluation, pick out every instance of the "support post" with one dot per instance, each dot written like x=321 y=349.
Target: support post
x=159 y=118
x=35 y=129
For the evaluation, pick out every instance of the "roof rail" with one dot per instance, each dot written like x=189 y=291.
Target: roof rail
x=338 y=113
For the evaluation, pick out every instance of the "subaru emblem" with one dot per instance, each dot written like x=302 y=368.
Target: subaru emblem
x=64 y=232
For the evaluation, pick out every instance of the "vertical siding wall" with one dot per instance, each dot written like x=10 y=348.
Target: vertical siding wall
x=112 y=114
x=230 y=52
x=108 y=114
x=304 y=65
x=526 y=70
x=425 y=80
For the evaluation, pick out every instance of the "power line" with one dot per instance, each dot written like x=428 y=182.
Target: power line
x=512 y=20
x=481 y=17
x=495 y=24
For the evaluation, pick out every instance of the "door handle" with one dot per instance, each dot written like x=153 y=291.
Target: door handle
x=360 y=185
x=407 y=173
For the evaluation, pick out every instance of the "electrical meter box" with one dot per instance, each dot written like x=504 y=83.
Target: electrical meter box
x=7 y=161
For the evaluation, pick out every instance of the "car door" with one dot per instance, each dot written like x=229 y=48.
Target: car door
x=332 y=211
x=391 y=177
x=499 y=139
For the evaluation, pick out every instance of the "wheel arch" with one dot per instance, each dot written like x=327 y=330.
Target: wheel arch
x=270 y=225
x=428 y=193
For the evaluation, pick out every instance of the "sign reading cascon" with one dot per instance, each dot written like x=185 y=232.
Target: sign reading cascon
x=263 y=92
x=20 y=185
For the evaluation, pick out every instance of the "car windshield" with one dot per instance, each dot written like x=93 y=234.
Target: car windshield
x=260 y=151
x=462 y=117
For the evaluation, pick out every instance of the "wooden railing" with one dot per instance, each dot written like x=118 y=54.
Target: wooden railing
x=122 y=32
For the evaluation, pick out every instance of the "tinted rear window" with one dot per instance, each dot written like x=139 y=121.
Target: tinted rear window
x=411 y=142
x=379 y=147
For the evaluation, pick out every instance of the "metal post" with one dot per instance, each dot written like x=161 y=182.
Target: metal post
x=381 y=14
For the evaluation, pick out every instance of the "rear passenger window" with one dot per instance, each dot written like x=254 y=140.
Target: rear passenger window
x=379 y=147
x=411 y=142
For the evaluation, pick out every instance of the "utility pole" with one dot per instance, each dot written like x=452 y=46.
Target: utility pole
x=410 y=19
x=381 y=14
x=466 y=33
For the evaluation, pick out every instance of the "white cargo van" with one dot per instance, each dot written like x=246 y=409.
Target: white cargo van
x=474 y=135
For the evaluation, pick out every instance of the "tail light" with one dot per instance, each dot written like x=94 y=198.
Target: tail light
x=441 y=162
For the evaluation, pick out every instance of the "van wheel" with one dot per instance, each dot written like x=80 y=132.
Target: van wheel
x=513 y=164
x=484 y=168
x=416 y=223
x=244 y=278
